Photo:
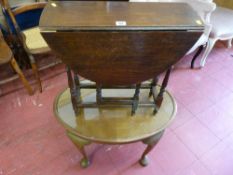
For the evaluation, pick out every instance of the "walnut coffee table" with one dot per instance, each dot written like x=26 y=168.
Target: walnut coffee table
x=114 y=125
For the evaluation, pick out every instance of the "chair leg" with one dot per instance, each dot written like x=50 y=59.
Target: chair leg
x=21 y=76
x=209 y=47
x=196 y=55
x=229 y=43
x=35 y=71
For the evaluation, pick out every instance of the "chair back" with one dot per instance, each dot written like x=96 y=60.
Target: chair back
x=9 y=17
x=21 y=17
x=17 y=20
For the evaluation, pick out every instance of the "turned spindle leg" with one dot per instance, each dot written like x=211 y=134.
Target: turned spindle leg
x=77 y=88
x=151 y=143
x=80 y=144
x=135 y=99
x=98 y=94
x=73 y=91
x=153 y=85
x=159 y=99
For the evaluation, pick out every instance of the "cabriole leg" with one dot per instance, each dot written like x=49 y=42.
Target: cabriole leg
x=80 y=144
x=209 y=47
x=151 y=143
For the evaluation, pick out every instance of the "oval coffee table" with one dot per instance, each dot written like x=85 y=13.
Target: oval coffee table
x=114 y=125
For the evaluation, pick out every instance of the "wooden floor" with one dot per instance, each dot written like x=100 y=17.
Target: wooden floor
x=198 y=142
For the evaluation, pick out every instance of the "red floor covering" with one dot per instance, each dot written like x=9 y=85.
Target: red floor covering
x=198 y=142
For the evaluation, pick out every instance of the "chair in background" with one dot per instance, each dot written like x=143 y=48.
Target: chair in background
x=23 y=21
x=6 y=56
x=222 y=29
x=204 y=8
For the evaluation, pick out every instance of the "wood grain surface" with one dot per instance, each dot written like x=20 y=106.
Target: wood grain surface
x=78 y=15
x=156 y=36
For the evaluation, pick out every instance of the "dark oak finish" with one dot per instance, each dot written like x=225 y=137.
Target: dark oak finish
x=119 y=44
x=97 y=15
x=113 y=55
x=121 y=58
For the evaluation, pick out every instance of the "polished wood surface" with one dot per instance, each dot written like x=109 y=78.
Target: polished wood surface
x=114 y=125
x=82 y=15
x=120 y=58
x=156 y=36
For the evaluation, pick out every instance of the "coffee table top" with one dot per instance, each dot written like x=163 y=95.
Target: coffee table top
x=114 y=125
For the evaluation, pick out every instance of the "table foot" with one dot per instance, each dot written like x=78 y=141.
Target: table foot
x=84 y=163
x=80 y=144
x=151 y=142
x=144 y=161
